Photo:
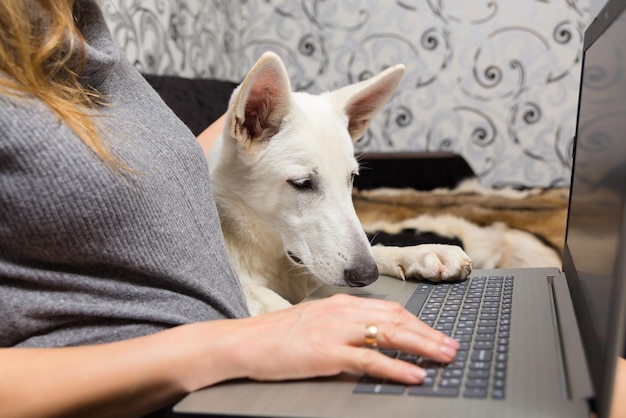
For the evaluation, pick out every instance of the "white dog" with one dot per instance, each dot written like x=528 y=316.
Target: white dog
x=282 y=175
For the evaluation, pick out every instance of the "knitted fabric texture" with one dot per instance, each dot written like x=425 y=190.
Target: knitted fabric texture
x=90 y=253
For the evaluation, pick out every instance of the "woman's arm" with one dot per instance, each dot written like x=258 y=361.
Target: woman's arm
x=134 y=377
x=122 y=379
x=209 y=135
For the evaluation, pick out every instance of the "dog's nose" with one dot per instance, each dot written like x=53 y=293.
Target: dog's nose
x=360 y=276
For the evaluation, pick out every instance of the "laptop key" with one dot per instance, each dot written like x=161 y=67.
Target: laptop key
x=500 y=365
x=411 y=358
x=450 y=382
x=478 y=374
x=475 y=393
x=485 y=337
x=497 y=394
x=483 y=345
x=482 y=355
x=476 y=383
x=480 y=365
x=464 y=345
x=453 y=373
x=486 y=330
x=499 y=384
x=433 y=391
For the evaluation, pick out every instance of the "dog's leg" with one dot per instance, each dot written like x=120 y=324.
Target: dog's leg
x=434 y=262
x=261 y=299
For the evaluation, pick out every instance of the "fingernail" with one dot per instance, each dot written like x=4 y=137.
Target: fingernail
x=419 y=373
x=449 y=351
x=451 y=342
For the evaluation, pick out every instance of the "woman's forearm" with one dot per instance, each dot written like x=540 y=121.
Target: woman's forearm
x=208 y=137
x=127 y=378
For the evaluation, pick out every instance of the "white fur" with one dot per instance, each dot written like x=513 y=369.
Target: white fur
x=282 y=178
x=492 y=246
x=467 y=186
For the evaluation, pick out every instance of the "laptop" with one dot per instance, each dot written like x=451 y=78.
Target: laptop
x=547 y=339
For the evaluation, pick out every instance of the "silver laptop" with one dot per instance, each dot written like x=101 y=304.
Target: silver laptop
x=535 y=342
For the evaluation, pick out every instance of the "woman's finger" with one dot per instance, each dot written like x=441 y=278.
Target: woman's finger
x=374 y=363
x=396 y=328
x=436 y=345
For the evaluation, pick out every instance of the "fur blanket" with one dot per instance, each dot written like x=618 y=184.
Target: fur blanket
x=497 y=228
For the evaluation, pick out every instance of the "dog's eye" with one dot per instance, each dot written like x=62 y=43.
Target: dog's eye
x=301 y=184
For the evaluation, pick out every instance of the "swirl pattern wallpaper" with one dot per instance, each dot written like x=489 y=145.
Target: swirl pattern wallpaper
x=495 y=81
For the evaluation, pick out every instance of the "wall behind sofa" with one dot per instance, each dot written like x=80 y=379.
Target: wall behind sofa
x=493 y=80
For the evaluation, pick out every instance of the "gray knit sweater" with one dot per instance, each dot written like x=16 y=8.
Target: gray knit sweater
x=89 y=254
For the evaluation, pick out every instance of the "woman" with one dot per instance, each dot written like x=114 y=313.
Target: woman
x=116 y=295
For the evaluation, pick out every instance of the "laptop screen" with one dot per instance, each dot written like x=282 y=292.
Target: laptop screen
x=596 y=212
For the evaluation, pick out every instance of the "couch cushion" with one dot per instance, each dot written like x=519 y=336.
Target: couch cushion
x=197 y=102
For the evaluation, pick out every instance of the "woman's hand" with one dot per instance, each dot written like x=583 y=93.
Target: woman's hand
x=326 y=337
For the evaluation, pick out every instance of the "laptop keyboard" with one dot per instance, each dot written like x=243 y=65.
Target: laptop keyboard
x=475 y=312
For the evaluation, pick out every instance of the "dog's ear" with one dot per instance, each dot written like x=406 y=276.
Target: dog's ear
x=361 y=101
x=261 y=101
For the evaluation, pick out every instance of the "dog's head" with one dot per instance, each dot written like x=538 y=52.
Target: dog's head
x=290 y=159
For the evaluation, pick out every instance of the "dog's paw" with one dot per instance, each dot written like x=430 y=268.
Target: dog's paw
x=434 y=262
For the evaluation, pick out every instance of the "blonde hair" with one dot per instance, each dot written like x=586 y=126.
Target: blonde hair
x=41 y=53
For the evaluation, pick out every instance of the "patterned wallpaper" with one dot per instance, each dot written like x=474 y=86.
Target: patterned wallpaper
x=495 y=81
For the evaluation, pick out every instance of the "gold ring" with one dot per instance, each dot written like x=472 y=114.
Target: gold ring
x=371 y=331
